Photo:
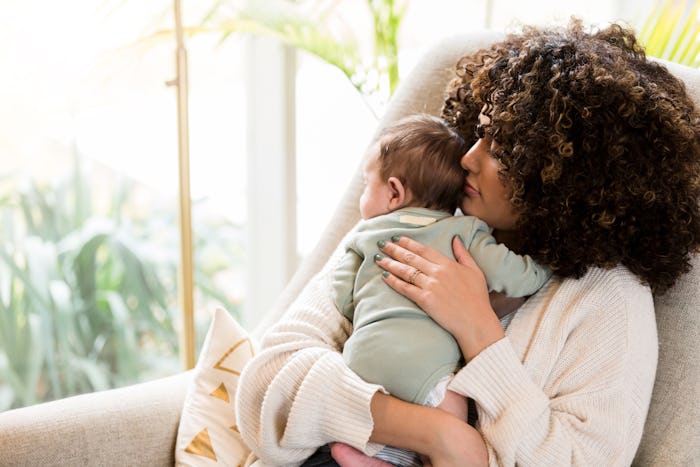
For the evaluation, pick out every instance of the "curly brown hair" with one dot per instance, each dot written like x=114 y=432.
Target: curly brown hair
x=600 y=145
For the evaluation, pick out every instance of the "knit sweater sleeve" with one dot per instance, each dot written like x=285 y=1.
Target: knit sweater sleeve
x=571 y=383
x=297 y=393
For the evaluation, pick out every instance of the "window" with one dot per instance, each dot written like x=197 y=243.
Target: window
x=89 y=247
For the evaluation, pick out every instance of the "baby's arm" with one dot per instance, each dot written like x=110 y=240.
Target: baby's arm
x=343 y=281
x=506 y=271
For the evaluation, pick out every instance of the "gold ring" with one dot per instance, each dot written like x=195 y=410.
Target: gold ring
x=412 y=277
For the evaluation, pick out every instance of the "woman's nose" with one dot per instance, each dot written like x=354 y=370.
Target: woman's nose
x=470 y=160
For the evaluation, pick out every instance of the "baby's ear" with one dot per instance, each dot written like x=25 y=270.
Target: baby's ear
x=398 y=193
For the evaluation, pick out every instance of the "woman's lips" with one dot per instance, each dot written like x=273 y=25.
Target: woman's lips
x=470 y=190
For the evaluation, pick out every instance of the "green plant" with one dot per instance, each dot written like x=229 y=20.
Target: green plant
x=88 y=295
x=318 y=27
x=387 y=16
x=671 y=31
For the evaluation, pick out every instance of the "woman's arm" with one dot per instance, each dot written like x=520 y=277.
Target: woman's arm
x=444 y=438
x=297 y=393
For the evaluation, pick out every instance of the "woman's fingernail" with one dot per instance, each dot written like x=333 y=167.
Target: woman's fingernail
x=378 y=257
x=381 y=244
x=395 y=238
x=385 y=273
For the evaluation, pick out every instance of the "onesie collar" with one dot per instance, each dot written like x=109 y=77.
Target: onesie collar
x=420 y=216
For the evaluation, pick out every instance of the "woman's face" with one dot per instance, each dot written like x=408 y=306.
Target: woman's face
x=486 y=194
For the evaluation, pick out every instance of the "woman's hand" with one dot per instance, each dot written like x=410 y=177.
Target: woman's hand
x=453 y=293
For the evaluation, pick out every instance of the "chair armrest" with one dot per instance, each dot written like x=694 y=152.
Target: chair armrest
x=135 y=425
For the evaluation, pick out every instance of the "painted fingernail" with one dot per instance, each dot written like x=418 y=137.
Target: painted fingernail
x=395 y=238
x=385 y=274
x=381 y=244
x=378 y=257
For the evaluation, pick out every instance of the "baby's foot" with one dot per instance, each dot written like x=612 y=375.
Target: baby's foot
x=348 y=456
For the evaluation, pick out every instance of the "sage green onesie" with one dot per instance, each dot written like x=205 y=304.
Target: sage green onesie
x=394 y=343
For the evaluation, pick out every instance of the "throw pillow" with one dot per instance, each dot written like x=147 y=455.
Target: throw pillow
x=207 y=434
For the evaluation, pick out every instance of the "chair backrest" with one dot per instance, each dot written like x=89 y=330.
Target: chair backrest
x=672 y=431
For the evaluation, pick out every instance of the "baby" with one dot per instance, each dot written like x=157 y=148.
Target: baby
x=413 y=185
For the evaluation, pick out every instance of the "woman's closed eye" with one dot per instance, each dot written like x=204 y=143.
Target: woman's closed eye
x=494 y=151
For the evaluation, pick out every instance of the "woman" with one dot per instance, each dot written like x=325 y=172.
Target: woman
x=586 y=156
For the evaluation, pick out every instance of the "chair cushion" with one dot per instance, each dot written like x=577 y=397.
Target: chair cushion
x=207 y=434
x=672 y=430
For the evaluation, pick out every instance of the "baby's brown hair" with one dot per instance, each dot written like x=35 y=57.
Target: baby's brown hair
x=424 y=153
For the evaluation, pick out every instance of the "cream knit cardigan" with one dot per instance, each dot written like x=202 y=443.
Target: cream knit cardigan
x=570 y=384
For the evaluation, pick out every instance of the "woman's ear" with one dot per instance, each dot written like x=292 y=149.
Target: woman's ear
x=397 y=194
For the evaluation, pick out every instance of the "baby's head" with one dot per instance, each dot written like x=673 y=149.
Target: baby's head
x=413 y=162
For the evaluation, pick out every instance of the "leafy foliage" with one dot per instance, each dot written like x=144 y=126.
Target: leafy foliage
x=318 y=27
x=88 y=298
